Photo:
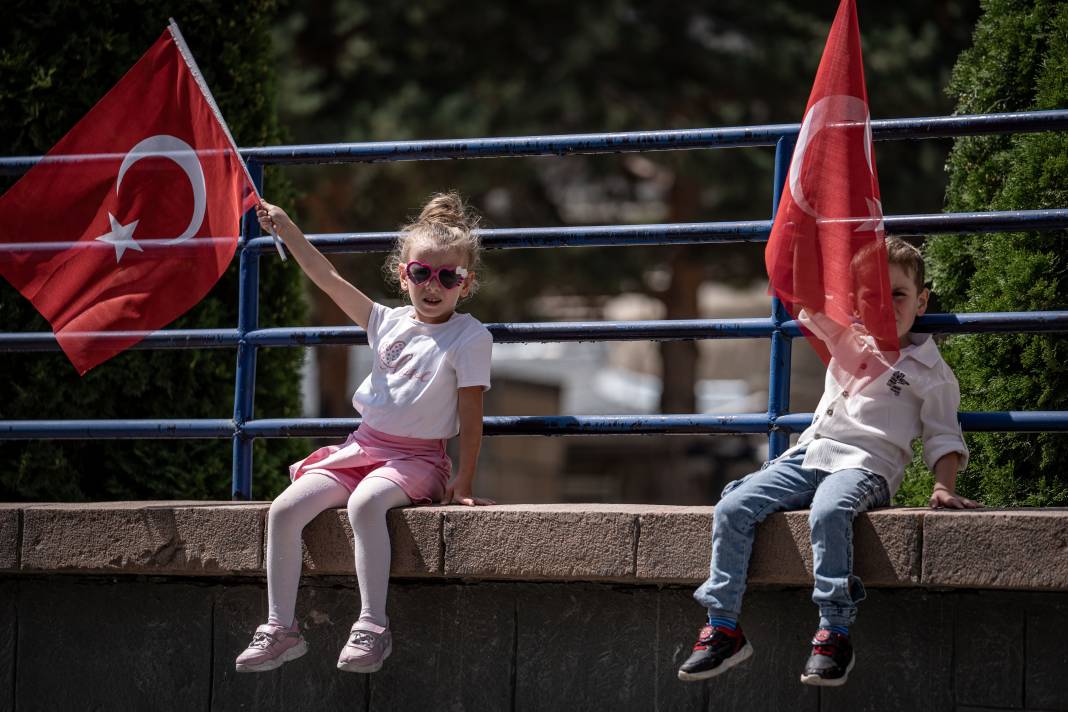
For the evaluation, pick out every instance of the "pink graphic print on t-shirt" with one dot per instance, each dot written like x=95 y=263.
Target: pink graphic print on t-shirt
x=392 y=357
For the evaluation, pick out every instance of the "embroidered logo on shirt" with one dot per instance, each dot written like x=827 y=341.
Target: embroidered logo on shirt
x=896 y=381
x=391 y=356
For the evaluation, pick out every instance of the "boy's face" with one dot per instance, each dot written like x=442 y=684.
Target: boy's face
x=909 y=302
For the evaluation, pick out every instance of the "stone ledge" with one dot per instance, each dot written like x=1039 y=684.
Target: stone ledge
x=1023 y=549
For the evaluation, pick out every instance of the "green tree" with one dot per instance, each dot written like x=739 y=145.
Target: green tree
x=56 y=60
x=1019 y=61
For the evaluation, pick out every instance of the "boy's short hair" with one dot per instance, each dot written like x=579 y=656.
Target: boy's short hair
x=908 y=258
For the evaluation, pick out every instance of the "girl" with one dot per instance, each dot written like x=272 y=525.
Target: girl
x=432 y=365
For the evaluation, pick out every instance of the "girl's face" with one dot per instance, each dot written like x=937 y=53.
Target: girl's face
x=433 y=303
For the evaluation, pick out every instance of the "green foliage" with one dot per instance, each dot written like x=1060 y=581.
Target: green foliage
x=56 y=60
x=1019 y=61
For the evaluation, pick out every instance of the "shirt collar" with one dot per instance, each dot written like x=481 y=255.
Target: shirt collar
x=923 y=349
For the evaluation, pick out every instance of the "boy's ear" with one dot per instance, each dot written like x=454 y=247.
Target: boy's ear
x=921 y=301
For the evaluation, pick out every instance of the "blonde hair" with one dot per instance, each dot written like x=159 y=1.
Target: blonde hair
x=445 y=222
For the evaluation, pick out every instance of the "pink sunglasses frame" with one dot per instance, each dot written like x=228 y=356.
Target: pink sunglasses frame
x=461 y=272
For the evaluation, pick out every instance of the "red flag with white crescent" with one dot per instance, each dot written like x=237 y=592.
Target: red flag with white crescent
x=826 y=256
x=132 y=217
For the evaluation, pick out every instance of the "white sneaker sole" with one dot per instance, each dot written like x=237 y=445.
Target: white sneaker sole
x=292 y=654
x=818 y=681
x=740 y=657
x=373 y=667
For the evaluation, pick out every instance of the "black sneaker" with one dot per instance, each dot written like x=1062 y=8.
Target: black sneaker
x=831 y=660
x=716 y=651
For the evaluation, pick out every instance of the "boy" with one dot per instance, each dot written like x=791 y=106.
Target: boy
x=851 y=459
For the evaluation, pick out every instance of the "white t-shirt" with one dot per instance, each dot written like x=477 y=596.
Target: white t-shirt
x=411 y=390
x=873 y=429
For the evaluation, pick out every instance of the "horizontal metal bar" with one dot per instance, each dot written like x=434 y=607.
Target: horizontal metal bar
x=621 y=142
x=114 y=429
x=555 y=331
x=151 y=340
x=745 y=423
x=689 y=233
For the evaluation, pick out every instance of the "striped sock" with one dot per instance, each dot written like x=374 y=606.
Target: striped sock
x=728 y=623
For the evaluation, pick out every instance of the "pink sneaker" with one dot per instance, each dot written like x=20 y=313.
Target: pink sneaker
x=271 y=646
x=369 y=645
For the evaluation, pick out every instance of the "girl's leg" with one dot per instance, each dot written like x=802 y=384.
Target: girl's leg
x=840 y=498
x=783 y=485
x=368 y=505
x=290 y=512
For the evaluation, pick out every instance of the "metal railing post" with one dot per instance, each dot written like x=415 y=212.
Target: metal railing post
x=247 y=321
x=781 y=345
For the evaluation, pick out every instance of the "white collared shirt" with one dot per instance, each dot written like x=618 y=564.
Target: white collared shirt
x=873 y=429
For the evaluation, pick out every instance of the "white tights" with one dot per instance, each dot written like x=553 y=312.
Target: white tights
x=300 y=503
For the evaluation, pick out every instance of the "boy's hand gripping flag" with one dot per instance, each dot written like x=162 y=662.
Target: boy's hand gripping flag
x=826 y=256
x=134 y=215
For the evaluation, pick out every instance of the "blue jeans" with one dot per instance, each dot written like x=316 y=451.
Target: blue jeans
x=835 y=500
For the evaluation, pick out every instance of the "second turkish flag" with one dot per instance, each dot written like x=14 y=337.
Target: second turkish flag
x=826 y=256
x=134 y=215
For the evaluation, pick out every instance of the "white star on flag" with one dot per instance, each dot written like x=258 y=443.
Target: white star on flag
x=121 y=237
x=875 y=211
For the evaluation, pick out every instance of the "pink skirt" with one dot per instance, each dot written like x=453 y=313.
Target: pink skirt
x=419 y=467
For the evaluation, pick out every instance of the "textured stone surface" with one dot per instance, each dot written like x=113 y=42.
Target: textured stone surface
x=997 y=621
x=143 y=537
x=675 y=544
x=9 y=537
x=414 y=534
x=573 y=656
x=453 y=648
x=135 y=646
x=587 y=541
x=1046 y=663
x=1020 y=548
x=8 y=638
x=312 y=682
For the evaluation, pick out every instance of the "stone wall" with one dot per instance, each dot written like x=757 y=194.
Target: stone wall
x=144 y=606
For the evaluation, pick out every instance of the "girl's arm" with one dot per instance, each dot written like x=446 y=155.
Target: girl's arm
x=319 y=269
x=458 y=490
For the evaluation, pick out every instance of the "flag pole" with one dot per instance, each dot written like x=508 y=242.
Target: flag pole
x=187 y=55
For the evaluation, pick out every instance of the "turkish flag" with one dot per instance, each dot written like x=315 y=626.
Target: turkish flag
x=134 y=215
x=826 y=256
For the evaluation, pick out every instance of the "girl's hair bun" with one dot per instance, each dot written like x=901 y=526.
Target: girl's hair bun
x=448 y=209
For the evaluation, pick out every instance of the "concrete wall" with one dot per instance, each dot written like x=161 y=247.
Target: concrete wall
x=144 y=606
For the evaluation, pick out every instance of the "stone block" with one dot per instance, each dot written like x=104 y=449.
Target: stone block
x=675 y=544
x=777 y=624
x=311 y=682
x=8 y=637
x=1024 y=549
x=453 y=648
x=191 y=538
x=571 y=655
x=136 y=646
x=10 y=516
x=904 y=646
x=1046 y=662
x=989 y=649
x=561 y=542
x=414 y=534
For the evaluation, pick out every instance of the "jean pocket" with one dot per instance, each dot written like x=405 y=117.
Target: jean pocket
x=735 y=484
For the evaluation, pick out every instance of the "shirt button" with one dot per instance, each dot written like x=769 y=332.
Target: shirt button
x=817 y=436
x=830 y=411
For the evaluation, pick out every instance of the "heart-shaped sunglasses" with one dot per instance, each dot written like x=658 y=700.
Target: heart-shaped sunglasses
x=448 y=277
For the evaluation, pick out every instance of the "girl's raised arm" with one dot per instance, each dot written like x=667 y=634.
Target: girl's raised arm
x=319 y=269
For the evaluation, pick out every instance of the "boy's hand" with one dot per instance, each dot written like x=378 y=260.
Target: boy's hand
x=462 y=495
x=271 y=217
x=943 y=498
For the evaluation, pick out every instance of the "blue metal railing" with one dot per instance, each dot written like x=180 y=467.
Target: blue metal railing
x=777 y=423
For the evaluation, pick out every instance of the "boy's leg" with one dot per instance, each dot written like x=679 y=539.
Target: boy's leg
x=840 y=498
x=721 y=644
x=783 y=485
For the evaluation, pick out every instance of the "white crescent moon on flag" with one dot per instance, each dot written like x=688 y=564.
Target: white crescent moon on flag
x=834 y=109
x=177 y=150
